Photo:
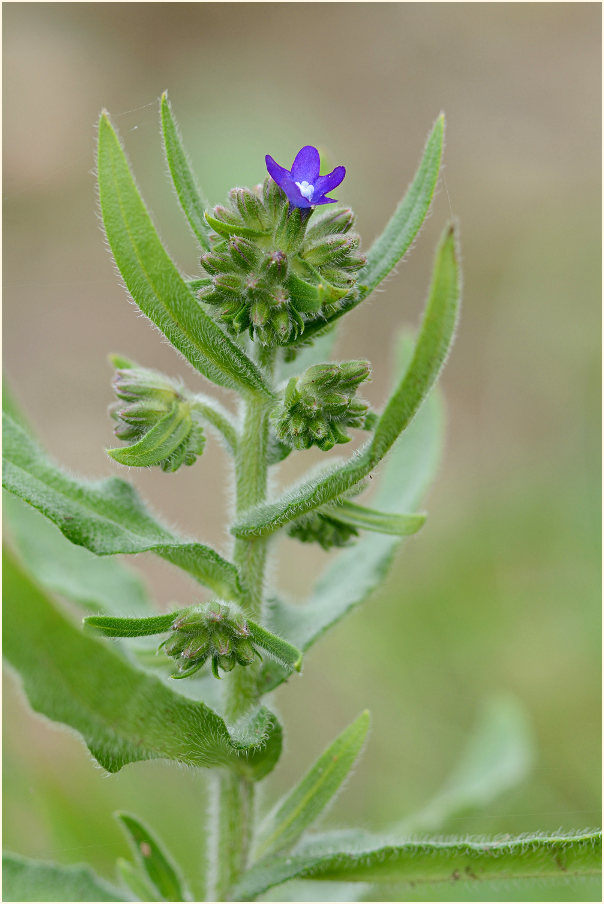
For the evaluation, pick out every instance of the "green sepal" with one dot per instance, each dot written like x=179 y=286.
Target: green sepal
x=159 y=442
x=153 y=858
x=229 y=229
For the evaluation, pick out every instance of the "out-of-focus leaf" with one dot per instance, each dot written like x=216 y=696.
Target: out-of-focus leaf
x=124 y=715
x=95 y=583
x=433 y=343
x=498 y=756
x=153 y=858
x=105 y=516
x=33 y=880
x=371 y=519
x=523 y=857
x=191 y=200
x=299 y=809
x=135 y=881
x=154 y=282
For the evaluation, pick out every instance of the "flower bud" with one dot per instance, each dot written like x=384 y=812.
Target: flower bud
x=325 y=530
x=244 y=253
x=316 y=407
x=158 y=421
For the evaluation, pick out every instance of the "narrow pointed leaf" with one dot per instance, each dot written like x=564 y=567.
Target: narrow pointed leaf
x=355 y=573
x=154 y=282
x=153 y=858
x=397 y=237
x=496 y=758
x=433 y=343
x=33 y=880
x=107 y=516
x=283 y=652
x=158 y=443
x=99 y=584
x=302 y=806
x=124 y=715
x=191 y=200
x=371 y=519
x=524 y=857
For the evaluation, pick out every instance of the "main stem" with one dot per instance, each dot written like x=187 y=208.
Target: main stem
x=234 y=794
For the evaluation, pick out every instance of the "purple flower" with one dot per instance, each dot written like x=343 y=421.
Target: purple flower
x=302 y=184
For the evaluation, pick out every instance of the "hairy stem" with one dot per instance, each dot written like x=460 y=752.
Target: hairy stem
x=235 y=795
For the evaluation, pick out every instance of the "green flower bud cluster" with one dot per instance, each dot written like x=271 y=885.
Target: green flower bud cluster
x=317 y=406
x=155 y=417
x=271 y=271
x=323 y=529
x=214 y=632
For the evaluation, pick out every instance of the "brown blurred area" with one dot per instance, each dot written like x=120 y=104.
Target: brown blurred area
x=500 y=588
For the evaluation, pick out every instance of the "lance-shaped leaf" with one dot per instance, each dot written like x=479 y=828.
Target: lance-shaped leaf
x=497 y=756
x=364 y=518
x=396 y=239
x=433 y=344
x=105 y=516
x=33 y=880
x=300 y=808
x=355 y=573
x=523 y=857
x=124 y=715
x=191 y=200
x=95 y=583
x=153 y=858
x=280 y=650
x=154 y=282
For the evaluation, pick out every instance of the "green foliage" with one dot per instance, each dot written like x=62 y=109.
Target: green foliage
x=31 y=880
x=433 y=343
x=105 y=516
x=530 y=856
x=154 y=282
x=154 y=860
x=123 y=714
x=299 y=809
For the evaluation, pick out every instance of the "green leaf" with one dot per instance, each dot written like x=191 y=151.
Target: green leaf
x=105 y=516
x=154 y=282
x=124 y=715
x=158 y=443
x=282 y=651
x=433 y=343
x=97 y=584
x=300 y=808
x=191 y=200
x=33 y=880
x=134 y=881
x=356 y=572
x=524 y=857
x=371 y=519
x=397 y=237
x=153 y=858
x=497 y=757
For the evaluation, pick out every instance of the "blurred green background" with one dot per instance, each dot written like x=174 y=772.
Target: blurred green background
x=500 y=591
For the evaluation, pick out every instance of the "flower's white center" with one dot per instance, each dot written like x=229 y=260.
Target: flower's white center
x=306 y=189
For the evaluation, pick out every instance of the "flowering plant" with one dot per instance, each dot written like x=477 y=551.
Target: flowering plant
x=280 y=267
